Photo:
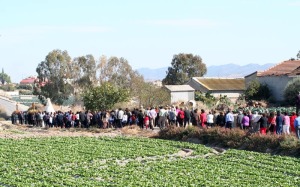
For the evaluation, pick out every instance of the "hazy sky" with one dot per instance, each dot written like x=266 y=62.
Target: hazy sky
x=148 y=33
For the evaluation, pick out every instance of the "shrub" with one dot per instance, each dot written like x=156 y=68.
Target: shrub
x=258 y=142
x=291 y=90
x=8 y=87
x=25 y=87
x=235 y=138
x=25 y=92
x=3 y=113
x=171 y=132
x=257 y=91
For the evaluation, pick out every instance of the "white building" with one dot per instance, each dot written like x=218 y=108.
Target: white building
x=277 y=77
x=231 y=87
x=181 y=93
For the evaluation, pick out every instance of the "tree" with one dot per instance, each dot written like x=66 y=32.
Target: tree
x=118 y=72
x=57 y=71
x=84 y=70
x=291 y=91
x=151 y=95
x=257 y=91
x=4 y=78
x=183 y=67
x=104 y=97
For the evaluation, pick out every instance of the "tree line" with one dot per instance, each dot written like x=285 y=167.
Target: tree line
x=102 y=83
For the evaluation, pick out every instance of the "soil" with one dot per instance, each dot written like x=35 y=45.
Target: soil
x=8 y=130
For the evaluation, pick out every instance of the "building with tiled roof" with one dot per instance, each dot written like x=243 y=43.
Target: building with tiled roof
x=28 y=80
x=277 y=77
x=231 y=87
x=180 y=93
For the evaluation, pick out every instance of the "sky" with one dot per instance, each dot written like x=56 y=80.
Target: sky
x=148 y=32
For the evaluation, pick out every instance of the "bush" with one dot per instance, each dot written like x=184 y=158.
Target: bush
x=257 y=91
x=8 y=87
x=291 y=90
x=235 y=138
x=25 y=87
x=25 y=92
x=3 y=113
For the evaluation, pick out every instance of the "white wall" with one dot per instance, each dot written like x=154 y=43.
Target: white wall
x=182 y=96
x=276 y=85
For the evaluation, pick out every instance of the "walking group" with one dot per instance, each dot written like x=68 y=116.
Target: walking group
x=151 y=117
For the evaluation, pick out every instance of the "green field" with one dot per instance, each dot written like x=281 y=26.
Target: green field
x=121 y=161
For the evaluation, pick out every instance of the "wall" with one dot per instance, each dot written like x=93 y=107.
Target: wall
x=276 y=85
x=183 y=96
x=232 y=95
x=250 y=78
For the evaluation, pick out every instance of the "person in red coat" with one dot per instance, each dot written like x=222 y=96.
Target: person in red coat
x=203 y=118
x=292 y=119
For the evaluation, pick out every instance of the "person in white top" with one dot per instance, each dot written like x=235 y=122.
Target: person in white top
x=210 y=119
x=254 y=119
x=120 y=115
x=286 y=124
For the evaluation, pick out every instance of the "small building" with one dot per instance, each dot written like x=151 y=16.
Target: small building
x=181 y=93
x=231 y=87
x=277 y=77
x=28 y=80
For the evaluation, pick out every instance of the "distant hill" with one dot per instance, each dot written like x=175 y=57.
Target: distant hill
x=226 y=70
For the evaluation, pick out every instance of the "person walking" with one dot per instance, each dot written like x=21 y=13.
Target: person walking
x=229 y=119
x=187 y=117
x=286 y=124
x=245 y=121
x=239 y=120
x=297 y=125
x=210 y=119
x=263 y=124
x=203 y=118
x=162 y=117
x=279 y=123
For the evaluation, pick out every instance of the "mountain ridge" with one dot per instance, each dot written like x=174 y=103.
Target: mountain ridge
x=225 y=70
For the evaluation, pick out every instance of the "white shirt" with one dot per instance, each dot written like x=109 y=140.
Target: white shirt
x=120 y=114
x=210 y=118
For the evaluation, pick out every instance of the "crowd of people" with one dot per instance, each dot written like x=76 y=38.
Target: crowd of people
x=276 y=123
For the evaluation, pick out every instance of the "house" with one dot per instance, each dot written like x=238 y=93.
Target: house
x=181 y=93
x=28 y=80
x=277 y=77
x=231 y=87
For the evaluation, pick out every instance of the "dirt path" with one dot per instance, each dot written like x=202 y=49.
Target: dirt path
x=7 y=130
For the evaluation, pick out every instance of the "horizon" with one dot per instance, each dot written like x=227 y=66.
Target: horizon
x=147 y=35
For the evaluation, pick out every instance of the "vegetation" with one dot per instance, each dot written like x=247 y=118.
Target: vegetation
x=65 y=78
x=104 y=97
x=8 y=87
x=83 y=161
x=4 y=78
x=3 y=114
x=56 y=70
x=25 y=87
x=257 y=91
x=183 y=67
x=236 y=138
x=291 y=91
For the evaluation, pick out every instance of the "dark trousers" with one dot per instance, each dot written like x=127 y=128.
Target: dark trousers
x=297 y=129
x=229 y=124
x=186 y=122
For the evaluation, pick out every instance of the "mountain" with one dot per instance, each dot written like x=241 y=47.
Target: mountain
x=226 y=70
x=233 y=70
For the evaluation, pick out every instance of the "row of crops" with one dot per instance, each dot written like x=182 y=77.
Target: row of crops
x=121 y=161
x=261 y=110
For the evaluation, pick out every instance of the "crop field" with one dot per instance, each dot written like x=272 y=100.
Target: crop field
x=123 y=161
